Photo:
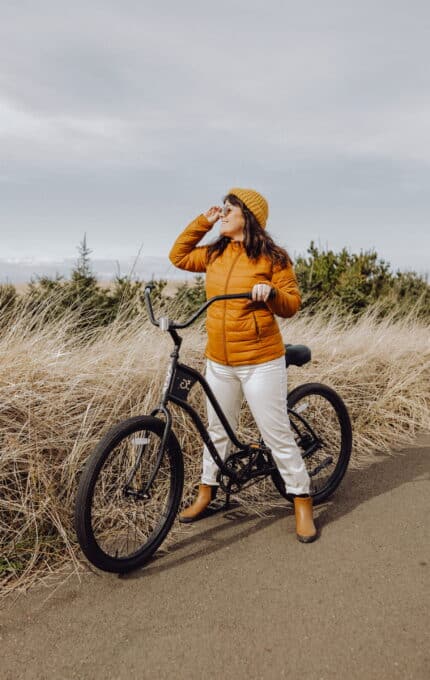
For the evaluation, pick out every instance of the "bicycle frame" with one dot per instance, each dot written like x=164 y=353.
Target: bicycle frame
x=127 y=501
x=179 y=380
x=177 y=384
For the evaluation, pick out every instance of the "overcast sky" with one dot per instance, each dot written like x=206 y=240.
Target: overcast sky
x=126 y=120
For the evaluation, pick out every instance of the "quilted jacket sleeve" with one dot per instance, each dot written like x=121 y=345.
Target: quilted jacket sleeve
x=185 y=253
x=287 y=299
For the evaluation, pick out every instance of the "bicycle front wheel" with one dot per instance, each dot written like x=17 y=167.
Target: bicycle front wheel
x=322 y=429
x=119 y=521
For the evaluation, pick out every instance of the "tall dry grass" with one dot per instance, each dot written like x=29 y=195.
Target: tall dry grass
x=60 y=391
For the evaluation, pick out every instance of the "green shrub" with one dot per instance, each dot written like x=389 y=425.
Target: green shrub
x=9 y=302
x=343 y=282
x=188 y=297
x=350 y=283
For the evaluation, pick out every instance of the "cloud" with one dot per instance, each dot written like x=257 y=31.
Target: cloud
x=351 y=81
x=136 y=112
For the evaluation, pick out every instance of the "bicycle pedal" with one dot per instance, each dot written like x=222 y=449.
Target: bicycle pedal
x=217 y=506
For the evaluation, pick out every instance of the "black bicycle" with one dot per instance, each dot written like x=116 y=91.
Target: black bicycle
x=131 y=486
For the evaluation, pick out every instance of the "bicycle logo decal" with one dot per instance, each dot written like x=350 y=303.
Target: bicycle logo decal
x=182 y=384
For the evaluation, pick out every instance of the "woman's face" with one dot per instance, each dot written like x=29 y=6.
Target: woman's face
x=233 y=222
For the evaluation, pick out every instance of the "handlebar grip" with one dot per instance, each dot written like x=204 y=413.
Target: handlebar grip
x=148 y=303
x=272 y=294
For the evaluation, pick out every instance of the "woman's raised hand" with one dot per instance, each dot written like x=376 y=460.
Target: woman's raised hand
x=213 y=214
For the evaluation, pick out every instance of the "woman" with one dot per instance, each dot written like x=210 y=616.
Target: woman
x=245 y=350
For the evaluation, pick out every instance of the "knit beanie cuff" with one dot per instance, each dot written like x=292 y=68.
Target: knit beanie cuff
x=255 y=202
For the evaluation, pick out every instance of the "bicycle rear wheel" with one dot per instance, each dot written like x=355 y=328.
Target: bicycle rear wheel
x=119 y=526
x=322 y=429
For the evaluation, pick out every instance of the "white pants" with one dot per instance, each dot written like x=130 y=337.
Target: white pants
x=265 y=389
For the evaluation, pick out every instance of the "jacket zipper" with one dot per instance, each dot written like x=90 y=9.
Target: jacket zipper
x=225 y=304
x=257 y=327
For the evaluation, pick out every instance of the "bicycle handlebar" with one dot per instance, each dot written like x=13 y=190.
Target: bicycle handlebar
x=165 y=324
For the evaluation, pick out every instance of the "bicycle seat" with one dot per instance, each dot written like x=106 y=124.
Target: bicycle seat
x=297 y=355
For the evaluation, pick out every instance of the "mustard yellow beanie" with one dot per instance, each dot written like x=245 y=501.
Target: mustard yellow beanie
x=255 y=202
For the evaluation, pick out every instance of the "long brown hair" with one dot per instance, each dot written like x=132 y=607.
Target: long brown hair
x=256 y=240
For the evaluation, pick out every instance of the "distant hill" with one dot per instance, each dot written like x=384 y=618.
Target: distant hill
x=22 y=271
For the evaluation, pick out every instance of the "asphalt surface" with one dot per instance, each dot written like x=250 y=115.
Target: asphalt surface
x=240 y=597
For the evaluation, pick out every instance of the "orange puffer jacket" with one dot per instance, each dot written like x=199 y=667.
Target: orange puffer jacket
x=240 y=331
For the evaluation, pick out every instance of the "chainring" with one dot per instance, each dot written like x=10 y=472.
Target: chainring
x=247 y=466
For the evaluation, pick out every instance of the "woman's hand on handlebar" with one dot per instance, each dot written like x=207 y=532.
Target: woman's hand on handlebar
x=261 y=292
x=213 y=214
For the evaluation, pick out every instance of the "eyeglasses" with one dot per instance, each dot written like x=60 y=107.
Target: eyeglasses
x=226 y=209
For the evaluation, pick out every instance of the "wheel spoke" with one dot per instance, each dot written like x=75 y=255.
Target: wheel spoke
x=117 y=527
x=322 y=430
x=122 y=520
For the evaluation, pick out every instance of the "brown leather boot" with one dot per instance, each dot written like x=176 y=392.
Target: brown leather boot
x=195 y=511
x=305 y=527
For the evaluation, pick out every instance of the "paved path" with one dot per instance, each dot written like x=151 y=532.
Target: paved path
x=241 y=598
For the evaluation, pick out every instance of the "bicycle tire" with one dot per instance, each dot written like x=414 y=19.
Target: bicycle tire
x=100 y=530
x=324 y=419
